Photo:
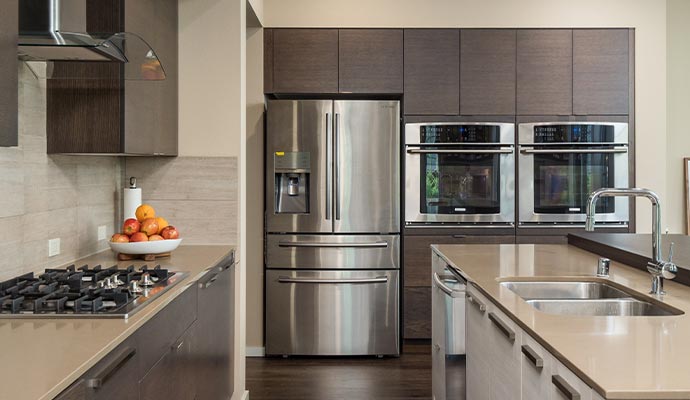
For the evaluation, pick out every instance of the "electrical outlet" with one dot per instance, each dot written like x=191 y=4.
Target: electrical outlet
x=101 y=232
x=53 y=247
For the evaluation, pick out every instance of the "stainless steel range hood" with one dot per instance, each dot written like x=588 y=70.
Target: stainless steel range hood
x=56 y=31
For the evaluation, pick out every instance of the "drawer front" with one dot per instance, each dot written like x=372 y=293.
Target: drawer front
x=115 y=377
x=333 y=251
x=312 y=312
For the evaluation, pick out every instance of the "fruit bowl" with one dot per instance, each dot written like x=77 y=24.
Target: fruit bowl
x=154 y=247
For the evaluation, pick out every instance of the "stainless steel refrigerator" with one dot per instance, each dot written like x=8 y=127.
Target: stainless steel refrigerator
x=332 y=227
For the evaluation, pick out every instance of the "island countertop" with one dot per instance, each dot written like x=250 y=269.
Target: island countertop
x=42 y=357
x=619 y=357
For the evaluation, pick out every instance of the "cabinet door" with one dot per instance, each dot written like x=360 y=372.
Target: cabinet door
x=115 y=377
x=478 y=346
x=305 y=60
x=536 y=369
x=76 y=391
x=370 y=61
x=601 y=75
x=544 y=72
x=487 y=71
x=504 y=357
x=432 y=71
x=169 y=379
x=8 y=73
x=566 y=385
x=213 y=339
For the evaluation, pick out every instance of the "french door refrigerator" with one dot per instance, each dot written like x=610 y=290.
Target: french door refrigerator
x=332 y=227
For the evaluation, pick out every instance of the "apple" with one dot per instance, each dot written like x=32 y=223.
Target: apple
x=138 y=237
x=119 y=238
x=149 y=226
x=154 y=238
x=170 y=232
x=131 y=226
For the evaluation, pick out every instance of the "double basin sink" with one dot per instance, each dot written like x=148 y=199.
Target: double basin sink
x=588 y=297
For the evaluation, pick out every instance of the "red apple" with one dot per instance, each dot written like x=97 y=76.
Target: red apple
x=119 y=238
x=131 y=226
x=154 y=238
x=149 y=226
x=170 y=232
x=138 y=237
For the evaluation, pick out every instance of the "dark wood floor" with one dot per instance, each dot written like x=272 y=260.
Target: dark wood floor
x=406 y=377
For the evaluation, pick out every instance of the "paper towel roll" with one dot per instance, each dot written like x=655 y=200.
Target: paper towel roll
x=131 y=199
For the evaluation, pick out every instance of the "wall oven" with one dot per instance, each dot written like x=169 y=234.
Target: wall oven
x=459 y=173
x=561 y=163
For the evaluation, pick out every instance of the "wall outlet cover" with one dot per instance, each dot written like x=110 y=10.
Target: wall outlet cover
x=53 y=247
x=101 y=232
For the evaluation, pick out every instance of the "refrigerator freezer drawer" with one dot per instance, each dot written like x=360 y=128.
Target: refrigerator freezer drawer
x=334 y=313
x=333 y=251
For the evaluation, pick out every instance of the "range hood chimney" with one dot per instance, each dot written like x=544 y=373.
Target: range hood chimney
x=56 y=31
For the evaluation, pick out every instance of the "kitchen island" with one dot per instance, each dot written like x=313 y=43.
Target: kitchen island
x=617 y=357
x=42 y=357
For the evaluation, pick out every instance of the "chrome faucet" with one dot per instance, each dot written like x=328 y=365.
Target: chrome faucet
x=659 y=268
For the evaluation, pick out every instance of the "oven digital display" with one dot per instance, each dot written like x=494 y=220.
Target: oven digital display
x=573 y=133
x=460 y=134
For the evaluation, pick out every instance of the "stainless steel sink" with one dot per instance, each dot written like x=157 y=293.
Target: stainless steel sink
x=587 y=297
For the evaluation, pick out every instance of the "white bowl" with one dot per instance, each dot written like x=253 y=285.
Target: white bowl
x=155 y=247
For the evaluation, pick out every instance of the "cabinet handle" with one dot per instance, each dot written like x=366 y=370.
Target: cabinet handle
x=472 y=300
x=564 y=387
x=102 y=377
x=507 y=332
x=175 y=347
x=208 y=283
x=459 y=236
x=532 y=355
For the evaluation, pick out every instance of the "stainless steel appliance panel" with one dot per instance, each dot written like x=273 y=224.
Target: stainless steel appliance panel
x=300 y=126
x=367 y=166
x=334 y=313
x=333 y=251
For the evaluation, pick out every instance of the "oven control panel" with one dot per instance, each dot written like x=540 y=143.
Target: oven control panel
x=459 y=133
x=585 y=133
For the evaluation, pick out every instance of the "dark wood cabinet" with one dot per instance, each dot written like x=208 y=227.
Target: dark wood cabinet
x=107 y=113
x=305 y=60
x=601 y=71
x=487 y=71
x=544 y=72
x=417 y=277
x=432 y=72
x=9 y=105
x=370 y=61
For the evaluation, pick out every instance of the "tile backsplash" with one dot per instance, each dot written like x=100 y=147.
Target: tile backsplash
x=47 y=196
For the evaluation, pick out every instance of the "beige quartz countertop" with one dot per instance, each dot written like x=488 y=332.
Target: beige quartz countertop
x=620 y=357
x=42 y=357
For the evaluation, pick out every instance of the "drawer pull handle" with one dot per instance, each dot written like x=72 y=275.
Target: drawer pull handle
x=564 y=387
x=505 y=330
x=532 y=355
x=478 y=304
x=334 y=245
x=379 y=279
x=102 y=377
x=208 y=283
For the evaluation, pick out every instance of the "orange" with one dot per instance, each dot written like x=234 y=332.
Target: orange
x=145 y=211
x=162 y=223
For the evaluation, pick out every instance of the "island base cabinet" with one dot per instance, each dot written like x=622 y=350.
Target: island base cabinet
x=477 y=347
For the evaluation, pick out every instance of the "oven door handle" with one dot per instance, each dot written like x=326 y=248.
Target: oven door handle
x=378 y=279
x=573 y=151
x=459 y=151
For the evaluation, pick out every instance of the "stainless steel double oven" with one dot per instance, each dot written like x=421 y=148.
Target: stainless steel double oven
x=459 y=173
x=561 y=163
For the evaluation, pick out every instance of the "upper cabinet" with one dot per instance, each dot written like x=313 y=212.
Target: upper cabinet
x=544 y=72
x=432 y=71
x=8 y=73
x=487 y=71
x=305 y=60
x=370 y=61
x=601 y=71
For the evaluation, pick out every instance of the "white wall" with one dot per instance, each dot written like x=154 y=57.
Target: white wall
x=648 y=17
x=678 y=102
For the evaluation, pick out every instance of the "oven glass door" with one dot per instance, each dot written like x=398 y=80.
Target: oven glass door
x=563 y=181
x=460 y=183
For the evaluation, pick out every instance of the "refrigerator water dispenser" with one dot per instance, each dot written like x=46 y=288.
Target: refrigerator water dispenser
x=291 y=182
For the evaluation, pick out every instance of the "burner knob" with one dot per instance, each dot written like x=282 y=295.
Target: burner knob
x=134 y=287
x=146 y=279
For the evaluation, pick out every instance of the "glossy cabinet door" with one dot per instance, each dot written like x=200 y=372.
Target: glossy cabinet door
x=487 y=71
x=8 y=73
x=168 y=379
x=535 y=368
x=305 y=60
x=478 y=345
x=565 y=384
x=432 y=71
x=601 y=71
x=504 y=358
x=370 y=61
x=544 y=72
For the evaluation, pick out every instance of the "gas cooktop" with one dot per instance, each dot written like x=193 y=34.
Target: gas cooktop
x=84 y=292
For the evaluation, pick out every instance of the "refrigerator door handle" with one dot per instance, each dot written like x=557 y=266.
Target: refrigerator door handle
x=334 y=245
x=378 y=279
x=336 y=151
x=329 y=165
